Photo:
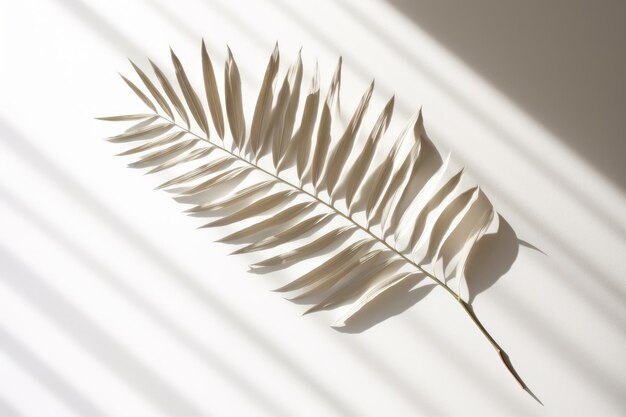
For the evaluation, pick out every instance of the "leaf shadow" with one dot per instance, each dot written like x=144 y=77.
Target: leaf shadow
x=491 y=259
x=530 y=246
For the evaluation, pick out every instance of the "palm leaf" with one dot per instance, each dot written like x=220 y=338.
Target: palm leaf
x=338 y=159
x=139 y=94
x=171 y=94
x=212 y=94
x=433 y=219
x=323 y=131
x=125 y=117
x=263 y=108
x=355 y=176
x=285 y=135
x=234 y=106
x=300 y=146
x=193 y=102
x=153 y=90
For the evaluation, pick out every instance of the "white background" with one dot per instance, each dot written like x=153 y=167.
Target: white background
x=111 y=303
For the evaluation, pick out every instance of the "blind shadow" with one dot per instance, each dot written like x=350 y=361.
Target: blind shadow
x=35 y=290
x=22 y=147
x=116 y=282
x=488 y=120
x=562 y=62
x=43 y=374
x=96 y=23
x=8 y=410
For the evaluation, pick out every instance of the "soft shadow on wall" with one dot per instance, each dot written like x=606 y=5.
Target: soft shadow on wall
x=562 y=61
x=494 y=255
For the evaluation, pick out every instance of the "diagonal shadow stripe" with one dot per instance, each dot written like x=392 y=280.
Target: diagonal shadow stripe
x=56 y=384
x=569 y=353
x=96 y=23
x=8 y=410
x=34 y=157
x=554 y=71
x=34 y=289
x=597 y=210
x=114 y=281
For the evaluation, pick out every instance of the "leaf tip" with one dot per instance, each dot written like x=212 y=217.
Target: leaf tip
x=238 y=251
x=313 y=309
x=419 y=122
x=173 y=55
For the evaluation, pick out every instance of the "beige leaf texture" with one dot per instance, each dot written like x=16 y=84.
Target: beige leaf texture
x=125 y=117
x=199 y=172
x=336 y=265
x=224 y=176
x=272 y=222
x=212 y=93
x=171 y=94
x=141 y=133
x=295 y=82
x=354 y=180
x=236 y=198
x=263 y=109
x=259 y=207
x=346 y=142
x=323 y=131
x=370 y=267
x=146 y=146
x=153 y=90
x=192 y=155
x=301 y=143
x=139 y=93
x=193 y=102
x=288 y=235
x=307 y=249
x=146 y=160
x=234 y=106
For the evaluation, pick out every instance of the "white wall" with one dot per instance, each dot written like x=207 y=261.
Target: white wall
x=111 y=303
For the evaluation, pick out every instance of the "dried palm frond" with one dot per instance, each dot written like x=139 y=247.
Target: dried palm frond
x=418 y=220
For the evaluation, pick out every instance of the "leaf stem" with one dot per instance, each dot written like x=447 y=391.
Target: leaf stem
x=467 y=308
